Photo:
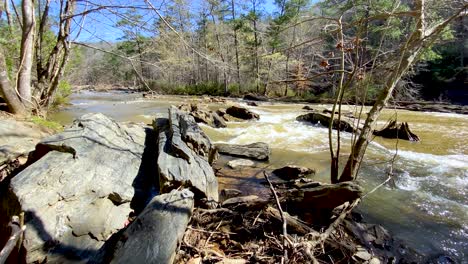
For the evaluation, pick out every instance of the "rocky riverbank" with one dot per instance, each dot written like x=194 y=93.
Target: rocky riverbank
x=102 y=191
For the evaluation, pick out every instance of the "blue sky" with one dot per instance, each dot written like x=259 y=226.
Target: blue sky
x=100 y=25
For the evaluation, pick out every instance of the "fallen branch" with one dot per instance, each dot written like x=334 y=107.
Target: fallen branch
x=285 y=231
x=16 y=231
x=325 y=235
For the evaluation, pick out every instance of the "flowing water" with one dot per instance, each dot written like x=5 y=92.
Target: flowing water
x=427 y=203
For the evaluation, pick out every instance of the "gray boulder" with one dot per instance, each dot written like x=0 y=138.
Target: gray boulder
x=154 y=235
x=257 y=151
x=81 y=189
x=180 y=144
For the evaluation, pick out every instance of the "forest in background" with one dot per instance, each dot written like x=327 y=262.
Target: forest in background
x=284 y=48
x=352 y=51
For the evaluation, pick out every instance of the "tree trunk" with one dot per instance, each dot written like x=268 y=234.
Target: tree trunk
x=8 y=92
x=220 y=52
x=357 y=152
x=420 y=39
x=257 y=67
x=236 y=44
x=52 y=72
x=26 y=59
x=8 y=14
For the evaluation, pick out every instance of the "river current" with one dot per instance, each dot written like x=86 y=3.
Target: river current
x=426 y=205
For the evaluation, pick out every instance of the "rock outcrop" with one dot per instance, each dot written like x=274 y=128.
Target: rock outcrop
x=81 y=188
x=257 y=151
x=184 y=152
x=324 y=120
x=154 y=235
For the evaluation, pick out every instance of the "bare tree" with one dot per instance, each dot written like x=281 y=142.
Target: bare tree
x=420 y=39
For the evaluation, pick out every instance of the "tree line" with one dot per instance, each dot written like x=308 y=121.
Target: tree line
x=289 y=49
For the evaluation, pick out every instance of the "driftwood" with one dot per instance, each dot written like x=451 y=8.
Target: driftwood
x=294 y=224
x=16 y=231
x=324 y=196
x=395 y=130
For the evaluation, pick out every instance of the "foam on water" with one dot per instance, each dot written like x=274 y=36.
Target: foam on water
x=438 y=163
x=406 y=182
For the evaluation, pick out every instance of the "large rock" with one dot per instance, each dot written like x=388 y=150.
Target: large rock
x=184 y=153
x=242 y=113
x=257 y=151
x=81 y=189
x=154 y=235
x=203 y=115
x=324 y=120
x=292 y=172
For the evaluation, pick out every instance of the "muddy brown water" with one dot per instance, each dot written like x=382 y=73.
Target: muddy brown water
x=427 y=206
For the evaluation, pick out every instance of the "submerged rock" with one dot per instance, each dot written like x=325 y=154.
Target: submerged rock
x=81 y=189
x=240 y=163
x=258 y=151
x=242 y=113
x=184 y=152
x=230 y=193
x=154 y=235
x=253 y=97
x=324 y=120
x=292 y=172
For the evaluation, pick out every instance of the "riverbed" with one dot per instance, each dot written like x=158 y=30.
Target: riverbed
x=425 y=205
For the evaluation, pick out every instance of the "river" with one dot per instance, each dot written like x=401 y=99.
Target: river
x=427 y=206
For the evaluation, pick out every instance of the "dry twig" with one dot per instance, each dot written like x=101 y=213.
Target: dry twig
x=285 y=231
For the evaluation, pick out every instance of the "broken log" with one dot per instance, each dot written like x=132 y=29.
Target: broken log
x=16 y=231
x=294 y=224
x=395 y=130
